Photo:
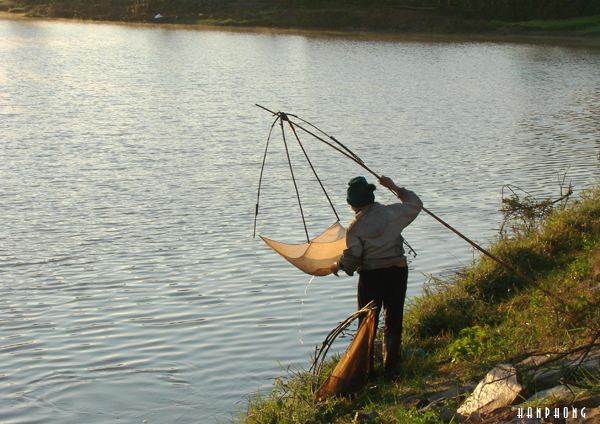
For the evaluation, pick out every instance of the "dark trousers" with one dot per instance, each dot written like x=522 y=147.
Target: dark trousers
x=387 y=287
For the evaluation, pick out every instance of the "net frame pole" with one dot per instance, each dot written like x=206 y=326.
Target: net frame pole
x=348 y=153
x=293 y=177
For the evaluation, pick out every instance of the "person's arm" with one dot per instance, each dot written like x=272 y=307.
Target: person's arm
x=388 y=183
x=350 y=259
x=411 y=203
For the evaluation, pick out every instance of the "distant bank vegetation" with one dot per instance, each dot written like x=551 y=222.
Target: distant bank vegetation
x=579 y=17
x=507 y=10
x=522 y=10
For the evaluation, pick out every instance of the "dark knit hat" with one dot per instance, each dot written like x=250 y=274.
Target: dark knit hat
x=360 y=193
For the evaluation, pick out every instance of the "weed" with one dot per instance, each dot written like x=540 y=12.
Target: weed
x=473 y=343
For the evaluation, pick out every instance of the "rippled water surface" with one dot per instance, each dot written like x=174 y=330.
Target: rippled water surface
x=131 y=287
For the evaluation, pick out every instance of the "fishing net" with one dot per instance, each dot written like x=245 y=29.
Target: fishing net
x=351 y=373
x=316 y=256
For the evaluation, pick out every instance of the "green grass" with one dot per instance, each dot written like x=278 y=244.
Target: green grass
x=291 y=401
x=469 y=321
x=587 y=25
x=398 y=16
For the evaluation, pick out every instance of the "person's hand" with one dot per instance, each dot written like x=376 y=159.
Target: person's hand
x=335 y=269
x=387 y=183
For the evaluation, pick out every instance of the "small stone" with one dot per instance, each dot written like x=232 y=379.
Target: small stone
x=414 y=401
x=525 y=421
x=365 y=416
x=547 y=377
x=589 y=402
x=591 y=417
x=459 y=418
x=534 y=361
x=454 y=393
x=449 y=414
x=555 y=392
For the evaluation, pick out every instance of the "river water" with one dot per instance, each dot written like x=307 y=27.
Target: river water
x=131 y=286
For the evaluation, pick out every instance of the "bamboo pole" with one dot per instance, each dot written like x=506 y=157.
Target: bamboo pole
x=356 y=159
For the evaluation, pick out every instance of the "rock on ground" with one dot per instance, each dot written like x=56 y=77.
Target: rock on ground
x=499 y=388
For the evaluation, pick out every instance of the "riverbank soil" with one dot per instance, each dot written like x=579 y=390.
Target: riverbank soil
x=400 y=16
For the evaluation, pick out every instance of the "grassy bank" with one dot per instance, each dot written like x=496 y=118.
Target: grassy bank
x=464 y=324
x=400 y=16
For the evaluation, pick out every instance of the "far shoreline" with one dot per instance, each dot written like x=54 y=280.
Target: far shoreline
x=564 y=39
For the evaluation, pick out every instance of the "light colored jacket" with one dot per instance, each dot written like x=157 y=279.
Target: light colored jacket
x=373 y=238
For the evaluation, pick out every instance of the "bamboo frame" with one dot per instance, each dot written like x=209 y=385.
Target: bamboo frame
x=348 y=153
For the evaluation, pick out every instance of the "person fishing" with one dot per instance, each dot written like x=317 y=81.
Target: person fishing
x=374 y=249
